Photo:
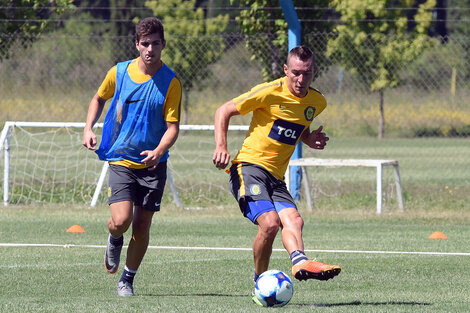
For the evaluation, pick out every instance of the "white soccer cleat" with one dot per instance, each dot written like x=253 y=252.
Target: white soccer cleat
x=112 y=257
x=125 y=289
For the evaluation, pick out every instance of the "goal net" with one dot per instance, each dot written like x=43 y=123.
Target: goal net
x=45 y=162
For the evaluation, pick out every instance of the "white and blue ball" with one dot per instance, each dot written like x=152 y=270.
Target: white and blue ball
x=274 y=288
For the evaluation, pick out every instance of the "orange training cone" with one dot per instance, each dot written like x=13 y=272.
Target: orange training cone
x=75 y=229
x=437 y=235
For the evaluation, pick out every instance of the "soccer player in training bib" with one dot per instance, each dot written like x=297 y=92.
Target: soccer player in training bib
x=282 y=113
x=141 y=124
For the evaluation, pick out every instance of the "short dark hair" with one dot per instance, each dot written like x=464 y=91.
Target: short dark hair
x=148 y=26
x=302 y=52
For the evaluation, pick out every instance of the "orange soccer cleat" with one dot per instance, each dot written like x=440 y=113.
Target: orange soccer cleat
x=316 y=270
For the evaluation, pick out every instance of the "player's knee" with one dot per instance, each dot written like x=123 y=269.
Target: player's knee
x=140 y=235
x=120 y=223
x=271 y=226
x=292 y=220
x=140 y=227
x=298 y=222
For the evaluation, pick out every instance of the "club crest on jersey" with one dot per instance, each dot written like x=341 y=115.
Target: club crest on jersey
x=309 y=113
x=286 y=132
x=255 y=189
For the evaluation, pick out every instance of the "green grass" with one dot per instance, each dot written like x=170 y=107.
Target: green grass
x=72 y=278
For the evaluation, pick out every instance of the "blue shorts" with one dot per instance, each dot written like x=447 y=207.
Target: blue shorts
x=141 y=186
x=258 y=191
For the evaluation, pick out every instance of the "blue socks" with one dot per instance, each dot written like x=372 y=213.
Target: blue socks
x=116 y=241
x=297 y=257
x=128 y=275
x=255 y=277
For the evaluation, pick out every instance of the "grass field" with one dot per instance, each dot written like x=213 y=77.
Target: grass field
x=389 y=263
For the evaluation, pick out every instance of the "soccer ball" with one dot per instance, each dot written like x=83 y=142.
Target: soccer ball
x=274 y=288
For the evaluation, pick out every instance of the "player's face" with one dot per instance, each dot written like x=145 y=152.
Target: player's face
x=150 y=48
x=299 y=75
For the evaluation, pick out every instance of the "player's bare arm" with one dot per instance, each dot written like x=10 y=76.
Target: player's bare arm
x=94 y=112
x=152 y=157
x=221 y=157
x=315 y=139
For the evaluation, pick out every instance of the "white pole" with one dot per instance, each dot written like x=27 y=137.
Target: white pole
x=379 y=188
x=6 y=170
x=401 y=204
x=176 y=197
x=100 y=183
x=53 y=124
x=287 y=177
x=308 y=197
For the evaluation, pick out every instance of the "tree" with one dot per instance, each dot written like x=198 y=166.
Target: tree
x=26 y=19
x=440 y=27
x=124 y=14
x=459 y=29
x=457 y=17
x=191 y=41
x=264 y=22
x=115 y=20
x=375 y=40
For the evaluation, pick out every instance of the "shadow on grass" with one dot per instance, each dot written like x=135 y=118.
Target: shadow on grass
x=192 y=295
x=353 y=303
x=357 y=303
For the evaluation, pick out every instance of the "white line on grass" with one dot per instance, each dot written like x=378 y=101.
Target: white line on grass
x=39 y=265
x=237 y=249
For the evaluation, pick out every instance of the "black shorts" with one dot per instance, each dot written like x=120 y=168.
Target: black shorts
x=141 y=186
x=258 y=191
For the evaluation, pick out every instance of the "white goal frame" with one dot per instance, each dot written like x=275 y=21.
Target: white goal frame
x=5 y=145
x=378 y=164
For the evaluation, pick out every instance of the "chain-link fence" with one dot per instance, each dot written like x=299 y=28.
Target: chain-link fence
x=54 y=77
x=58 y=75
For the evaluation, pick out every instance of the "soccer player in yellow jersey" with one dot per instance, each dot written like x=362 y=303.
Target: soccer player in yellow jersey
x=282 y=113
x=141 y=124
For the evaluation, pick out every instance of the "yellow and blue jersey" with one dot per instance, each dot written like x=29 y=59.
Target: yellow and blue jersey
x=136 y=117
x=171 y=110
x=279 y=118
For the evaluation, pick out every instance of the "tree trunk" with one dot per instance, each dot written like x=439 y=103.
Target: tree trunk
x=381 y=118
